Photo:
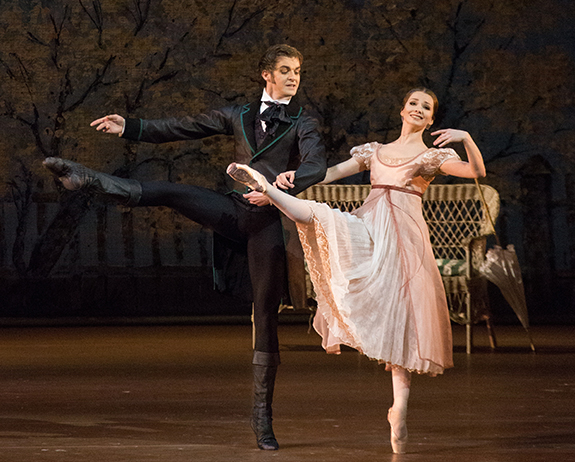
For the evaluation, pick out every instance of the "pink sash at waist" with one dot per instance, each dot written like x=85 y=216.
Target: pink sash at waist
x=396 y=188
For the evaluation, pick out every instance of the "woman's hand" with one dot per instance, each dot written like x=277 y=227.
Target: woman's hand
x=113 y=123
x=449 y=135
x=285 y=180
x=474 y=168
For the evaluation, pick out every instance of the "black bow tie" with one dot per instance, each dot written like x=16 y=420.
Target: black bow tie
x=273 y=115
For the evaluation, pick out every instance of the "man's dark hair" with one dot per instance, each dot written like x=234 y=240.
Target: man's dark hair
x=273 y=53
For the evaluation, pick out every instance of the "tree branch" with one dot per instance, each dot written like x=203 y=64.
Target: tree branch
x=140 y=14
x=58 y=27
x=394 y=33
x=96 y=82
x=22 y=197
x=97 y=18
x=227 y=33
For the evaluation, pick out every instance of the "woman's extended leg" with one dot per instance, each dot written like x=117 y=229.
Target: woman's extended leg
x=295 y=209
x=397 y=414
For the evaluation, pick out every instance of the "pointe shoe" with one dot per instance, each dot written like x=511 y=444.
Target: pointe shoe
x=398 y=444
x=74 y=176
x=247 y=176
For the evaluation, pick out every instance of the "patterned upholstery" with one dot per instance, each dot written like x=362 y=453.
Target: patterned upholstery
x=451 y=267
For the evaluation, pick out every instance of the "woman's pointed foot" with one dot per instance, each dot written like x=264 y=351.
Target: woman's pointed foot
x=247 y=176
x=398 y=436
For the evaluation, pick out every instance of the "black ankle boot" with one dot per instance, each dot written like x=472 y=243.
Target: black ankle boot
x=74 y=176
x=264 y=380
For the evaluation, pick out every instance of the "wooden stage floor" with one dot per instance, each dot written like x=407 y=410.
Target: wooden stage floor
x=182 y=393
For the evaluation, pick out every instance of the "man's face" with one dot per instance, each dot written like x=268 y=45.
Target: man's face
x=283 y=82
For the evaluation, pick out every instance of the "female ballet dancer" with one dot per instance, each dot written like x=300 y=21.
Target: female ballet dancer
x=377 y=283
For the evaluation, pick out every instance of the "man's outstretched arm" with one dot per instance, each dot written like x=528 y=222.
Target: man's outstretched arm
x=216 y=122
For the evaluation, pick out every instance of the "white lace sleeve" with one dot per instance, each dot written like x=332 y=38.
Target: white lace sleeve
x=434 y=159
x=364 y=153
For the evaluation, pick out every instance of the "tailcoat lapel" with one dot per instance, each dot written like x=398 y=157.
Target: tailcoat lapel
x=293 y=109
x=248 y=118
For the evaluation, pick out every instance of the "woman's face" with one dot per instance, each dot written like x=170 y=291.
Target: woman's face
x=418 y=109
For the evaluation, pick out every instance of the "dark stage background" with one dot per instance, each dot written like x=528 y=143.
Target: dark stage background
x=502 y=70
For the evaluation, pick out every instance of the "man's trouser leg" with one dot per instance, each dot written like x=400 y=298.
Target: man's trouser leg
x=266 y=255
x=262 y=229
x=218 y=212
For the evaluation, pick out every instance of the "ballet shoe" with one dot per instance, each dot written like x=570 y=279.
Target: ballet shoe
x=247 y=176
x=74 y=176
x=398 y=444
x=262 y=427
x=264 y=383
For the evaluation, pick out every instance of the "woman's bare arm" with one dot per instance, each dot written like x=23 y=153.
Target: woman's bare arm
x=474 y=167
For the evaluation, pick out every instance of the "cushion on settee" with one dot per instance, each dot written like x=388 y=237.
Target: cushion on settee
x=451 y=267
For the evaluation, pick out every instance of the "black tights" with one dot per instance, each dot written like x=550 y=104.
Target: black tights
x=230 y=216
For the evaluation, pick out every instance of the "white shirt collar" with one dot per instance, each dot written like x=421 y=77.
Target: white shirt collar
x=266 y=97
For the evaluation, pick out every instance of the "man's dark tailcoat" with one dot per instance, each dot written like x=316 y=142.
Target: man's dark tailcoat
x=296 y=145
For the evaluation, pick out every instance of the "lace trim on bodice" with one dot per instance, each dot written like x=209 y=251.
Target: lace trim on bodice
x=393 y=161
x=431 y=160
x=364 y=153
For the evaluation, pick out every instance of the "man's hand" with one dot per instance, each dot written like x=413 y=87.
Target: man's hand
x=257 y=198
x=285 y=180
x=110 y=124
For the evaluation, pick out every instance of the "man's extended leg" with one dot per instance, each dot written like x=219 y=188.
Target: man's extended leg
x=218 y=212
x=266 y=255
x=204 y=206
x=74 y=176
x=233 y=219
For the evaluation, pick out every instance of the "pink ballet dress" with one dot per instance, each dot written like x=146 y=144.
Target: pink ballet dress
x=377 y=283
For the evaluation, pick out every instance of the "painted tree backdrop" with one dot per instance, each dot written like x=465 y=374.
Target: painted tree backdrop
x=502 y=70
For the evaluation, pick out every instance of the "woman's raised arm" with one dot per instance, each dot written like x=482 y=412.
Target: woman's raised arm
x=474 y=167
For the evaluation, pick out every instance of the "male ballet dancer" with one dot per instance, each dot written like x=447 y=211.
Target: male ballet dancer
x=273 y=135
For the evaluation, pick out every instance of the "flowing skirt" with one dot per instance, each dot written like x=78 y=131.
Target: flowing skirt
x=377 y=283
